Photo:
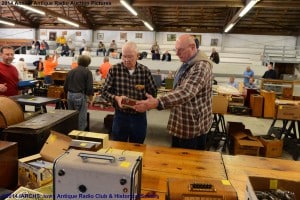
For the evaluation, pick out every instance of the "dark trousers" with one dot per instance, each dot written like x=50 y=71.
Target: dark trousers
x=193 y=143
x=129 y=127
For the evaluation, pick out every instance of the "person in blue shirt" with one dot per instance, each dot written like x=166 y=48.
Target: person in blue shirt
x=233 y=83
x=247 y=75
x=251 y=84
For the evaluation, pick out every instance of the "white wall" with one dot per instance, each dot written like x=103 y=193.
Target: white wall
x=17 y=33
x=148 y=37
x=257 y=41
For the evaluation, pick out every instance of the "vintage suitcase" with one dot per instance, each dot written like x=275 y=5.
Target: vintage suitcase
x=8 y=165
x=32 y=134
x=97 y=175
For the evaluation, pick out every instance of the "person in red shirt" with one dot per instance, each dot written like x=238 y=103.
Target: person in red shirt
x=9 y=77
x=104 y=68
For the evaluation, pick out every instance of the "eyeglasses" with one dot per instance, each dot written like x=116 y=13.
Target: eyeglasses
x=180 y=50
x=127 y=57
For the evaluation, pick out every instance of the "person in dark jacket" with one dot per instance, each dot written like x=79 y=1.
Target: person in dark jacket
x=166 y=56
x=270 y=73
x=65 y=50
x=78 y=86
x=214 y=56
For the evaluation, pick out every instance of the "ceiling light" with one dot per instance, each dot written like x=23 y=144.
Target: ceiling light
x=228 y=28
x=32 y=9
x=126 y=5
x=68 y=22
x=148 y=26
x=248 y=7
x=7 y=23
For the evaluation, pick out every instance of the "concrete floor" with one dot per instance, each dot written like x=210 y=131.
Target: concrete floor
x=157 y=122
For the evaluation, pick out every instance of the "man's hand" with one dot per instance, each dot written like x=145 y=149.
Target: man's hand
x=144 y=105
x=119 y=100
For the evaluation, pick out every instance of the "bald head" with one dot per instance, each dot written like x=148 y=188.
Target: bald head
x=185 y=47
x=186 y=39
x=106 y=59
x=130 y=46
x=129 y=55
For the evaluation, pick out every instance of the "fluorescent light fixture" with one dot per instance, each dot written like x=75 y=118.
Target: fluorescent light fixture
x=248 y=7
x=126 y=5
x=6 y=23
x=32 y=9
x=229 y=27
x=68 y=22
x=148 y=26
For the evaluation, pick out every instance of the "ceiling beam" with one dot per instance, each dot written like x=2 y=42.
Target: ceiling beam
x=55 y=14
x=84 y=13
x=184 y=3
x=16 y=22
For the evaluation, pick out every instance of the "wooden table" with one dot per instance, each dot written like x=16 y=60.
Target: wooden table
x=38 y=102
x=239 y=167
x=161 y=163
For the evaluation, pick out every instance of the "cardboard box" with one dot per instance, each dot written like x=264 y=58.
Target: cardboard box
x=272 y=146
x=266 y=184
x=8 y=165
x=219 y=104
x=233 y=127
x=25 y=194
x=88 y=140
x=289 y=112
x=246 y=144
x=36 y=170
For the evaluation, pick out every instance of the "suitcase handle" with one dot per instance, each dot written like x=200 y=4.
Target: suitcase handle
x=85 y=156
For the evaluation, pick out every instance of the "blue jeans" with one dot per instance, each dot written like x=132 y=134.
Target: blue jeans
x=193 y=143
x=78 y=101
x=129 y=127
x=48 y=80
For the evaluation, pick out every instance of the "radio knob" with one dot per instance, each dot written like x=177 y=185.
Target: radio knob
x=61 y=172
x=82 y=188
x=123 y=181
